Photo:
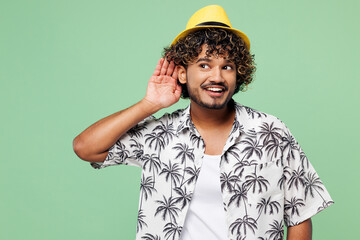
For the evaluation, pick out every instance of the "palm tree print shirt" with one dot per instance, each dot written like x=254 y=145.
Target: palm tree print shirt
x=265 y=177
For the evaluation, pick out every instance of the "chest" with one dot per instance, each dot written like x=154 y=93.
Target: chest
x=215 y=140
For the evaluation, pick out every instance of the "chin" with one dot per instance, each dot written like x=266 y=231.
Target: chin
x=219 y=105
x=214 y=106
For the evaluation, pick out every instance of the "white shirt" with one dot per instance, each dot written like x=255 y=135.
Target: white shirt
x=206 y=216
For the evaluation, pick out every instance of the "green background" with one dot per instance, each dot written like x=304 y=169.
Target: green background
x=66 y=64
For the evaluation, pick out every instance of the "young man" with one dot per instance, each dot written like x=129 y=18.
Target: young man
x=217 y=169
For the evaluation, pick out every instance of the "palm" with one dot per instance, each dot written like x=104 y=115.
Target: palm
x=163 y=90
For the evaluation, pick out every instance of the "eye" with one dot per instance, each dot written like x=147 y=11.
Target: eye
x=205 y=66
x=228 y=67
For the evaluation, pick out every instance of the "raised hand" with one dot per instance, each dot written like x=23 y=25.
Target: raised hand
x=94 y=142
x=163 y=89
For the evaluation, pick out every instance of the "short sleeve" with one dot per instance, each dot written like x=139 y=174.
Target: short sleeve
x=305 y=194
x=128 y=149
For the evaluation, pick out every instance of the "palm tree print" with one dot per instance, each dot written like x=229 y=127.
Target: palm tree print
x=172 y=231
x=137 y=130
x=277 y=230
x=251 y=132
x=304 y=160
x=149 y=236
x=139 y=148
x=233 y=151
x=194 y=174
x=265 y=205
x=183 y=198
x=250 y=147
x=246 y=223
x=273 y=149
x=184 y=153
x=235 y=127
x=297 y=178
x=253 y=181
x=227 y=180
x=260 y=160
x=269 y=132
x=153 y=162
x=121 y=151
x=166 y=131
x=171 y=171
x=284 y=177
x=157 y=139
x=146 y=188
x=287 y=220
x=238 y=195
x=294 y=205
x=239 y=166
x=175 y=114
x=140 y=220
x=252 y=112
x=196 y=140
x=240 y=237
x=167 y=208
x=313 y=183
x=289 y=145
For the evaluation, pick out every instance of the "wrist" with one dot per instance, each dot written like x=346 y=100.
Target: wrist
x=149 y=107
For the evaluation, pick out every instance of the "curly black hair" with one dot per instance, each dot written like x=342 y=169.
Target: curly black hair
x=219 y=42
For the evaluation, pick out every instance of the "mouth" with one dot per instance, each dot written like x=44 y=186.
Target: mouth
x=215 y=91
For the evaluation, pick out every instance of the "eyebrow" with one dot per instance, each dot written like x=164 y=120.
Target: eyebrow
x=209 y=60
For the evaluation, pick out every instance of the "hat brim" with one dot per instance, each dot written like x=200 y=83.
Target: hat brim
x=237 y=32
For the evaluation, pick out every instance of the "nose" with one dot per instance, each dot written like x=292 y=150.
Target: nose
x=217 y=75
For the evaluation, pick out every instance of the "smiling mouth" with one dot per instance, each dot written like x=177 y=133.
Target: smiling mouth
x=215 y=89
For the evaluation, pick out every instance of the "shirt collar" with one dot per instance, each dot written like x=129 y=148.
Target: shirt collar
x=243 y=122
x=185 y=121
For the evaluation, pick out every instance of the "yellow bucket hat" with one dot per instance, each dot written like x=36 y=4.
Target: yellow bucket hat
x=210 y=16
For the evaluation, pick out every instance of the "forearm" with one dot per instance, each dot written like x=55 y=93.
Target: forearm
x=302 y=231
x=92 y=144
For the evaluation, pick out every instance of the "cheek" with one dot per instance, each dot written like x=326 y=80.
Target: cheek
x=235 y=83
x=196 y=79
x=198 y=75
x=232 y=80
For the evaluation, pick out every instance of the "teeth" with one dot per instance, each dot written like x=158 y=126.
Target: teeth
x=215 y=89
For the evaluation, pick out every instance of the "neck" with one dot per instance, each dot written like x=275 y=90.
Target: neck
x=209 y=118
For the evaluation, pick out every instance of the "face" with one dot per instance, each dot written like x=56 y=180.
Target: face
x=210 y=81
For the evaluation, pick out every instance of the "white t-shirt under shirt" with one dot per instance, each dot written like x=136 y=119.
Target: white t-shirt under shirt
x=205 y=218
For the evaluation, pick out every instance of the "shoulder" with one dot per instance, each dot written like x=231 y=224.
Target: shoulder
x=262 y=121
x=166 y=119
x=173 y=116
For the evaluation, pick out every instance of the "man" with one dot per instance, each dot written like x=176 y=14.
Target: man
x=217 y=169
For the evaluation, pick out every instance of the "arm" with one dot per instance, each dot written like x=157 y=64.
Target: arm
x=163 y=91
x=302 y=231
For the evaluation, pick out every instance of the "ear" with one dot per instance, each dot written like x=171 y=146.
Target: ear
x=182 y=74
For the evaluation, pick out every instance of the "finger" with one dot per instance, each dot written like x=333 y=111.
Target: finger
x=164 y=67
x=170 y=69
x=158 y=67
x=175 y=73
